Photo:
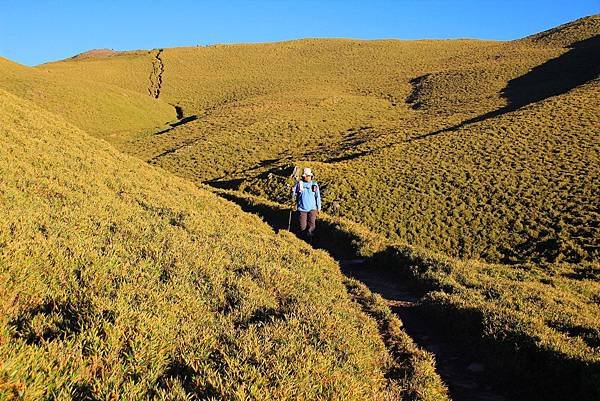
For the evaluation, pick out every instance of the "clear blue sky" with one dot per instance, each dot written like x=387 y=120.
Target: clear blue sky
x=33 y=32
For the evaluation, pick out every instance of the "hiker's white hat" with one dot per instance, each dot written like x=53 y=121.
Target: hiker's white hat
x=307 y=172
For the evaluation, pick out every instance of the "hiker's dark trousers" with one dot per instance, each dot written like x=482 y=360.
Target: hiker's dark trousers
x=308 y=223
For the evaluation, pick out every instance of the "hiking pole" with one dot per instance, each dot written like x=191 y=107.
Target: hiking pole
x=290 y=219
x=294 y=177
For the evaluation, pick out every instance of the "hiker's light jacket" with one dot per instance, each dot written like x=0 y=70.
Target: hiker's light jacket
x=307 y=196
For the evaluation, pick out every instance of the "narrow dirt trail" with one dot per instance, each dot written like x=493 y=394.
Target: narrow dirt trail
x=464 y=375
x=460 y=369
x=158 y=68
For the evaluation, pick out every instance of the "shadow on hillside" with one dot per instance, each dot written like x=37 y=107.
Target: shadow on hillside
x=232 y=184
x=532 y=373
x=181 y=121
x=263 y=163
x=347 y=157
x=327 y=237
x=576 y=67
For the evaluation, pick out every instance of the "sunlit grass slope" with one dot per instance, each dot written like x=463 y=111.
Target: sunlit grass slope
x=292 y=97
x=478 y=149
x=569 y=33
x=108 y=111
x=482 y=164
x=313 y=97
x=121 y=281
x=537 y=329
x=522 y=186
x=129 y=70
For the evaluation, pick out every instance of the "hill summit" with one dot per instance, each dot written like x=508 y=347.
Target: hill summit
x=567 y=34
x=96 y=53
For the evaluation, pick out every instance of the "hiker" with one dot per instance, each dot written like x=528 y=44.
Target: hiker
x=308 y=203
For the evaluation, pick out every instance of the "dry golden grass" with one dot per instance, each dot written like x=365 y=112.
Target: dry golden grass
x=129 y=70
x=110 y=112
x=119 y=280
x=522 y=186
x=536 y=328
x=470 y=149
x=441 y=191
x=356 y=106
x=567 y=34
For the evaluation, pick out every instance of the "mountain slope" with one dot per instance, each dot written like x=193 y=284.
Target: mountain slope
x=474 y=149
x=106 y=110
x=255 y=110
x=519 y=186
x=536 y=329
x=121 y=281
x=568 y=34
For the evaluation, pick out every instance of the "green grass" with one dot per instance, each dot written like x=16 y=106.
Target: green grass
x=519 y=188
x=119 y=280
x=542 y=324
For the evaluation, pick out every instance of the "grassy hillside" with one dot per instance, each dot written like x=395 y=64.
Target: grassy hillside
x=259 y=103
x=119 y=280
x=108 y=111
x=483 y=153
x=476 y=149
x=519 y=186
x=537 y=329
x=567 y=34
x=129 y=70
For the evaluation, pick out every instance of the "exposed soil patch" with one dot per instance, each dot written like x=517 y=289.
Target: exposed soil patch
x=96 y=53
x=158 y=67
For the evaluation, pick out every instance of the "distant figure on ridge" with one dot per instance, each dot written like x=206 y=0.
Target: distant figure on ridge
x=308 y=203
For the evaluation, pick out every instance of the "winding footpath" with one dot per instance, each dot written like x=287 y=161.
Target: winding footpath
x=158 y=68
x=464 y=375
x=460 y=369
